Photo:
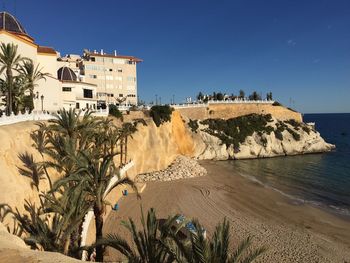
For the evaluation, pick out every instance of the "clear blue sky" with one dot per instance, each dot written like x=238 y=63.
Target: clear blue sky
x=297 y=49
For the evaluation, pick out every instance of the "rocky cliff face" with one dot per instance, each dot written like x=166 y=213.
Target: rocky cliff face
x=292 y=140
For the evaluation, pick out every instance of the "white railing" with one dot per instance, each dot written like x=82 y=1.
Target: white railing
x=90 y=215
x=34 y=116
x=237 y=101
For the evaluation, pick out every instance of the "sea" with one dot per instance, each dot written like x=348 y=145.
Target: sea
x=321 y=180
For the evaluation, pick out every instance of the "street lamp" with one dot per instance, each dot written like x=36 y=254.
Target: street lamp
x=42 y=102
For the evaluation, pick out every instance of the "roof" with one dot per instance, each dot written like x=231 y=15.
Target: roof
x=66 y=74
x=47 y=50
x=9 y=23
x=113 y=56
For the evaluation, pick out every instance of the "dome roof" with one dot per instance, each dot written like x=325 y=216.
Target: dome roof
x=66 y=74
x=9 y=23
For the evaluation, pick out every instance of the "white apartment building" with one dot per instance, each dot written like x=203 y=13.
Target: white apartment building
x=115 y=76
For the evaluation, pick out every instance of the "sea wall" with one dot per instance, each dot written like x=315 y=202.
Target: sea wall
x=226 y=111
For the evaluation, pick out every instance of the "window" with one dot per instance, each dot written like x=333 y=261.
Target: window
x=108 y=60
x=93 y=76
x=120 y=95
x=120 y=70
x=66 y=89
x=92 y=59
x=87 y=93
x=77 y=106
x=118 y=61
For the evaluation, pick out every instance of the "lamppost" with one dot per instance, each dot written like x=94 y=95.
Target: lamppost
x=36 y=97
x=42 y=102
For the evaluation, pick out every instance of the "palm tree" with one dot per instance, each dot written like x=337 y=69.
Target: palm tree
x=127 y=130
x=150 y=242
x=83 y=150
x=9 y=61
x=199 y=249
x=31 y=74
x=162 y=243
x=95 y=174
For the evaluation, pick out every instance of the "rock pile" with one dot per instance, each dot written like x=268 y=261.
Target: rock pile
x=182 y=167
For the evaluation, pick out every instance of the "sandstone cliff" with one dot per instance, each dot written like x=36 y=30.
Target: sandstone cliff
x=292 y=141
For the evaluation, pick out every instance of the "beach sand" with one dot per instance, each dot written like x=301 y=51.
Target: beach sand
x=291 y=232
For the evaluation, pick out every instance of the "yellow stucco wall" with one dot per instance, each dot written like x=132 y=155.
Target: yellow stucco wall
x=226 y=111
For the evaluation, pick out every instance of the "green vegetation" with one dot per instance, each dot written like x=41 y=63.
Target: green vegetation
x=162 y=242
x=81 y=149
x=115 y=112
x=161 y=114
x=276 y=103
x=282 y=126
x=193 y=125
x=254 y=96
x=19 y=78
x=234 y=131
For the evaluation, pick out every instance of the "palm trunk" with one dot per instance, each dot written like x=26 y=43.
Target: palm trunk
x=121 y=151
x=126 y=149
x=99 y=225
x=9 y=102
x=66 y=245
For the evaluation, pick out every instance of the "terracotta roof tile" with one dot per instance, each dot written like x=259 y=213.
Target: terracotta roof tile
x=48 y=50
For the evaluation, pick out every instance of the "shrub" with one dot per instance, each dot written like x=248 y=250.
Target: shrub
x=235 y=130
x=193 y=125
x=278 y=135
x=276 y=103
x=306 y=129
x=161 y=114
x=115 y=112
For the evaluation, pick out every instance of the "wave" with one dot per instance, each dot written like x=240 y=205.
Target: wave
x=300 y=201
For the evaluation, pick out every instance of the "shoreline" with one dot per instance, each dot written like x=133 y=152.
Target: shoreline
x=292 y=233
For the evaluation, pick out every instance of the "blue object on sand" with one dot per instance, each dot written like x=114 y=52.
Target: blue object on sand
x=116 y=207
x=125 y=192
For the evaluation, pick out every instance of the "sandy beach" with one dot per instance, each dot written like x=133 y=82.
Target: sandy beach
x=291 y=232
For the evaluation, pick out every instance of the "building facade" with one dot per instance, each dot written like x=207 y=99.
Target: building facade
x=84 y=82
x=114 y=75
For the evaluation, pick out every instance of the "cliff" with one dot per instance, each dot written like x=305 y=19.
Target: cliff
x=154 y=148
x=273 y=138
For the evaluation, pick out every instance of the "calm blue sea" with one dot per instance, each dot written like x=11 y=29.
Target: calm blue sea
x=320 y=179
